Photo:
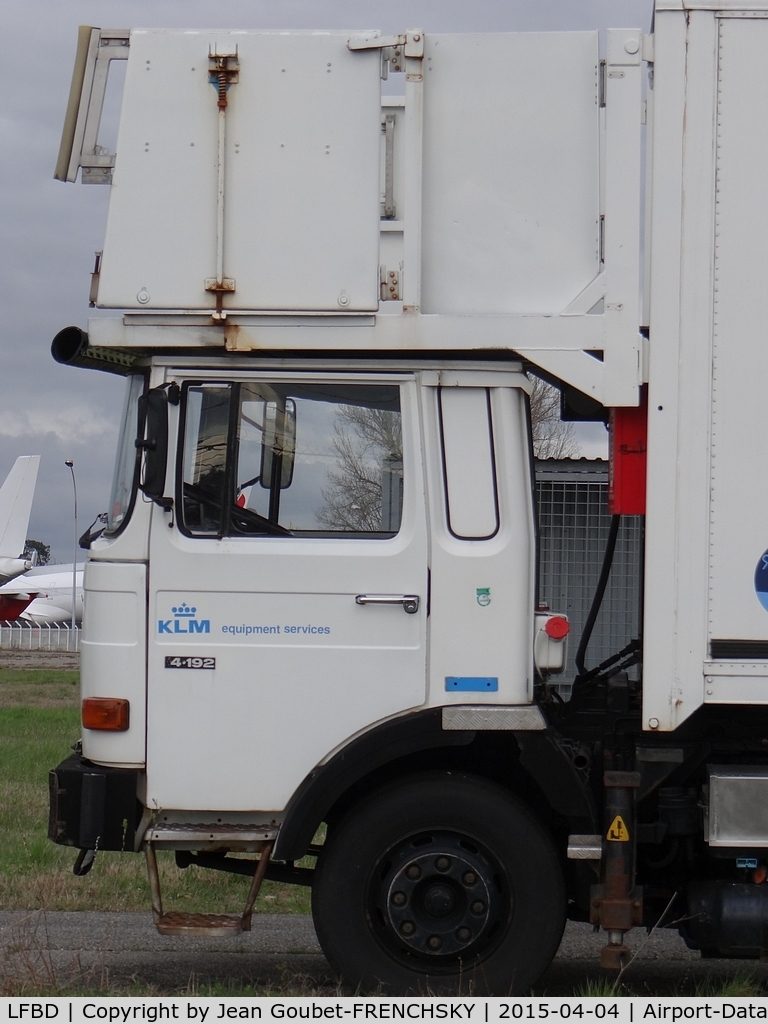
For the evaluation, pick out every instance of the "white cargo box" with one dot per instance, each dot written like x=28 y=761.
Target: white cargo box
x=511 y=213
x=501 y=183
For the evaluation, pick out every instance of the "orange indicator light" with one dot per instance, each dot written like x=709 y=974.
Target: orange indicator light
x=106 y=713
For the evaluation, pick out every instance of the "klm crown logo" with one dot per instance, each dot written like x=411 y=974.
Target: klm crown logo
x=183 y=621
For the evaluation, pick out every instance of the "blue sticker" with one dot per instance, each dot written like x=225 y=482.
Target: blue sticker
x=474 y=683
x=761 y=580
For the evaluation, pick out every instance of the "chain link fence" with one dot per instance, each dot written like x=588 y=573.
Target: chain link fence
x=572 y=497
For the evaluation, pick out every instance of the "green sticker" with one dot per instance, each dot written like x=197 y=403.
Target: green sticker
x=483 y=596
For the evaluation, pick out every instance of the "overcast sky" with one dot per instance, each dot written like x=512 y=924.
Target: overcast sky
x=50 y=230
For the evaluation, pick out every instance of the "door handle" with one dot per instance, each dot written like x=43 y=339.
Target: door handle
x=410 y=602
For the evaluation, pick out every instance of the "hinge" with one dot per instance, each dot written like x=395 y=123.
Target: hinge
x=94 y=292
x=395 y=49
x=394 y=57
x=389 y=281
x=226 y=284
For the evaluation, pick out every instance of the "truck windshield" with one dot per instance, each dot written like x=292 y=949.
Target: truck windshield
x=126 y=464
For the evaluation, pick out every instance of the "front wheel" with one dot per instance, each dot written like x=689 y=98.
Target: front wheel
x=439 y=884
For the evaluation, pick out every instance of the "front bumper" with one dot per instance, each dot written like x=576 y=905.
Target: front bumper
x=93 y=807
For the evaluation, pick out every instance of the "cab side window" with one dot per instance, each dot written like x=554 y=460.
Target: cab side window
x=469 y=463
x=292 y=459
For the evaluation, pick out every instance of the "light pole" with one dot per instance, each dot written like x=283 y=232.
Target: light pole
x=69 y=463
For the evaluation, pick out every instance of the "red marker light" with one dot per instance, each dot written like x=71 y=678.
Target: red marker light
x=557 y=628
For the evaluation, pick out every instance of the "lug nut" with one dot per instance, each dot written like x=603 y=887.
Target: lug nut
x=442 y=863
x=463 y=934
x=434 y=942
x=407 y=927
x=478 y=907
x=414 y=871
x=399 y=899
x=469 y=878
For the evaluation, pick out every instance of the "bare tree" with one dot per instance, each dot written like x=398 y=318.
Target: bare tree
x=366 y=442
x=552 y=438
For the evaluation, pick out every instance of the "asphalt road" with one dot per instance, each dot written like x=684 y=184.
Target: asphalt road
x=119 y=952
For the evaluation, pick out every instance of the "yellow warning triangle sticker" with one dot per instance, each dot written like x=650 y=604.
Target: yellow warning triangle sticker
x=618 y=831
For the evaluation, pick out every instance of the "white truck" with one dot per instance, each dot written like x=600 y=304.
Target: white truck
x=315 y=601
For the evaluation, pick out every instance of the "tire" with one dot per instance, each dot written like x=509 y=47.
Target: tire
x=439 y=884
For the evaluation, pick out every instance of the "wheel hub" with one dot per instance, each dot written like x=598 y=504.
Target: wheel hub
x=440 y=895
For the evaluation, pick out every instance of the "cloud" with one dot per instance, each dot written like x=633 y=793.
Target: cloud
x=67 y=424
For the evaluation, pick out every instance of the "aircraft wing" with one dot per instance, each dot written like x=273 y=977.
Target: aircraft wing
x=11 y=607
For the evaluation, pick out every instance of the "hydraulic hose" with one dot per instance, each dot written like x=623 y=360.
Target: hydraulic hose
x=597 y=600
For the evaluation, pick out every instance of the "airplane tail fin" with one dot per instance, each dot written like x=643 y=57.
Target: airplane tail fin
x=16 y=505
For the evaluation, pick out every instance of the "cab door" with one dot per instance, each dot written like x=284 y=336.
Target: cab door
x=288 y=593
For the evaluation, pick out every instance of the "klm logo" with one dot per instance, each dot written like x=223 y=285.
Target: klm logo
x=183 y=621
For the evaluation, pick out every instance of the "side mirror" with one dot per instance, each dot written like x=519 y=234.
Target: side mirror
x=278 y=445
x=153 y=415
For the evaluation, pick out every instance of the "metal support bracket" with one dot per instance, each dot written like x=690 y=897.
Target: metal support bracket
x=223 y=71
x=616 y=904
x=388 y=131
x=96 y=49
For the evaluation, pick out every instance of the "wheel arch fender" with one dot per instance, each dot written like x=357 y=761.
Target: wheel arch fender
x=393 y=745
x=331 y=782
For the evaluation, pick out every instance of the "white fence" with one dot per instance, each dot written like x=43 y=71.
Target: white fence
x=33 y=636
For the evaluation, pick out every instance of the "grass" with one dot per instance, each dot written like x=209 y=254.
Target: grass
x=740 y=985
x=39 y=721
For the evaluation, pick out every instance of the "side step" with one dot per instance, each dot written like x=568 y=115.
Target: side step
x=176 y=923
x=210 y=925
x=213 y=836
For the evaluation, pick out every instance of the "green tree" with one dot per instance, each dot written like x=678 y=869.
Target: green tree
x=43 y=551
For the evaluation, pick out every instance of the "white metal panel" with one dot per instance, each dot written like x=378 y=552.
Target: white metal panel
x=113 y=656
x=511 y=155
x=481 y=608
x=302 y=183
x=680 y=367
x=739 y=487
